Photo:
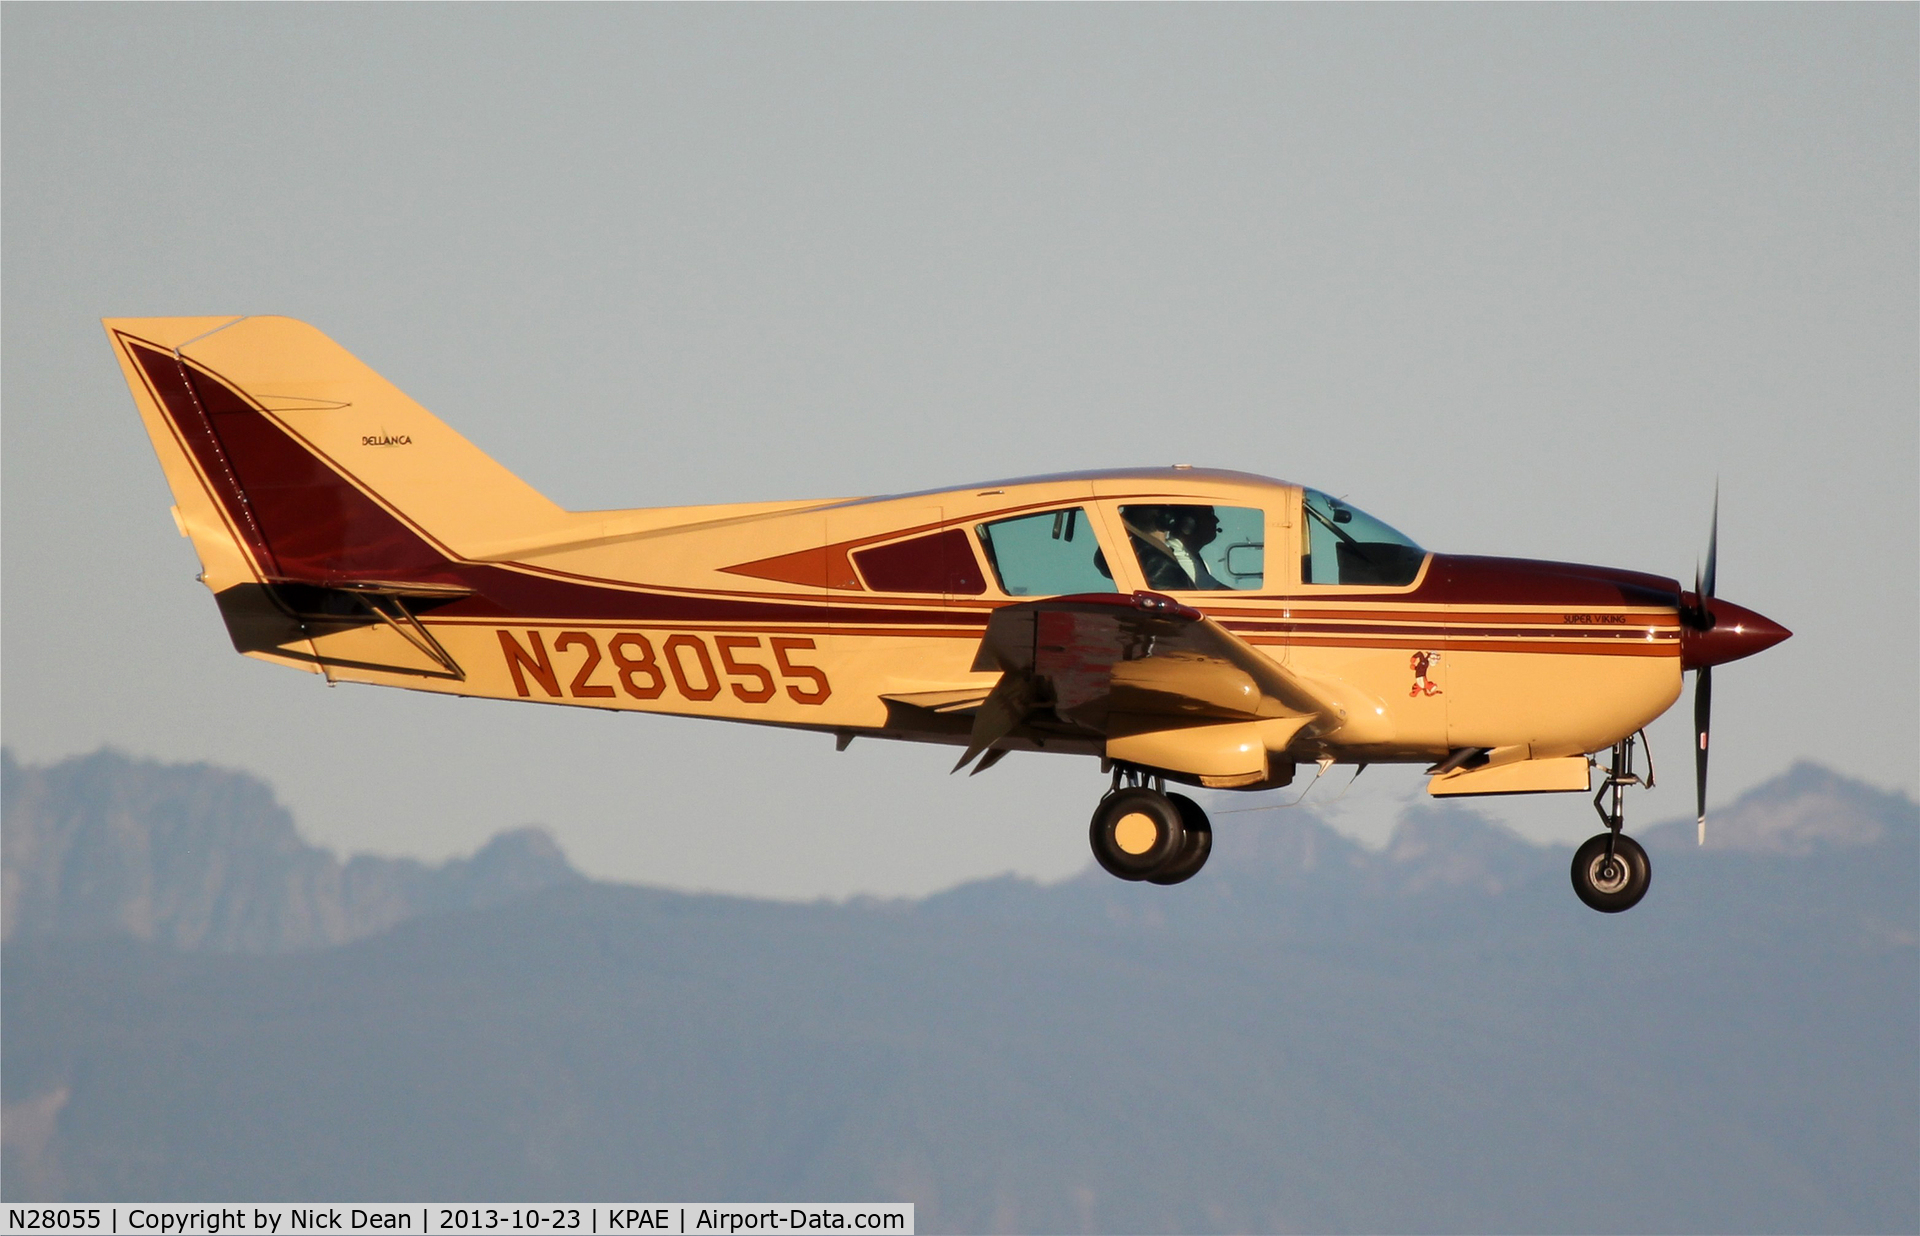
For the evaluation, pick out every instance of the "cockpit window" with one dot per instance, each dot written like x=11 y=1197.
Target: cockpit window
x=1046 y=555
x=1342 y=544
x=1187 y=547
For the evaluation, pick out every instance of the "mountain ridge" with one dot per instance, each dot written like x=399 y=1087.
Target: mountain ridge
x=1311 y=1036
x=202 y=857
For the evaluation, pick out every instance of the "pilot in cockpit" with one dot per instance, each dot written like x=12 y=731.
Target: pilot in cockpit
x=1168 y=540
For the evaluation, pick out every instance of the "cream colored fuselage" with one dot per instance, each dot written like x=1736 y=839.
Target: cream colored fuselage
x=451 y=575
x=1554 y=680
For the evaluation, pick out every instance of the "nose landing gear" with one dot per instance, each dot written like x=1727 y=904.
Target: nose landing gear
x=1610 y=870
x=1141 y=832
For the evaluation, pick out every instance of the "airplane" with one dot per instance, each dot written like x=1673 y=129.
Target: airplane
x=1132 y=615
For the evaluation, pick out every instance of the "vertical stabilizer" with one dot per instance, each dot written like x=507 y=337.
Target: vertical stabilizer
x=294 y=466
x=290 y=459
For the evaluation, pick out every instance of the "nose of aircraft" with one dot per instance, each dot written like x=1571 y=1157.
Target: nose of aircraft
x=1736 y=632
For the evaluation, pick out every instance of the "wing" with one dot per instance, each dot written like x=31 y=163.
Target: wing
x=1163 y=684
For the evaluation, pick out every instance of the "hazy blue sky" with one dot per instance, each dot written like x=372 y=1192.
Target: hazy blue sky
x=1519 y=279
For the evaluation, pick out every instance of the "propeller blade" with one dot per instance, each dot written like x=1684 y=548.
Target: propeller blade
x=1702 y=617
x=1713 y=549
x=1702 y=716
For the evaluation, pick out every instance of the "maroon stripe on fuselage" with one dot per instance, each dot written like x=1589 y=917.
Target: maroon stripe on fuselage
x=1388 y=630
x=1461 y=580
x=503 y=593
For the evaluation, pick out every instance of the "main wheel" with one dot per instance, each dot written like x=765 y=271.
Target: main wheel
x=1611 y=884
x=1135 y=832
x=1194 y=850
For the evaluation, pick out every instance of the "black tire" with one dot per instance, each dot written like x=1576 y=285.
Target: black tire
x=1136 y=832
x=1194 y=850
x=1611 y=891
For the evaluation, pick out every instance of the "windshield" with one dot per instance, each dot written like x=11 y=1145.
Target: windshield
x=1342 y=544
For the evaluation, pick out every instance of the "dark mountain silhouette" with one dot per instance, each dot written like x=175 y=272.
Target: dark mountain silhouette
x=1309 y=1036
x=202 y=858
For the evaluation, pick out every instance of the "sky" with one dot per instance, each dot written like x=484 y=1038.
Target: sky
x=1520 y=280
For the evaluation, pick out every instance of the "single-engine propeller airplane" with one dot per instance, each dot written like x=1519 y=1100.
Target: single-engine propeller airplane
x=1185 y=625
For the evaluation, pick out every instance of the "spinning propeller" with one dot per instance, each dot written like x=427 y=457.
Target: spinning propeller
x=1712 y=632
x=1700 y=617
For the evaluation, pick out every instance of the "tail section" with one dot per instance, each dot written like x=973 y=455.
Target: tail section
x=288 y=455
x=294 y=466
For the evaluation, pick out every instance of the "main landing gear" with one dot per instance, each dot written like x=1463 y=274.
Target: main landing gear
x=1610 y=870
x=1141 y=832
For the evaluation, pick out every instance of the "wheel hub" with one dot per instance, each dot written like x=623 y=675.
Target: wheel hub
x=1135 y=832
x=1609 y=874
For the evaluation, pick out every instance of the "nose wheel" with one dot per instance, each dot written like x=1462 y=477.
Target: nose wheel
x=1610 y=870
x=1140 y=832
x=1611 y=873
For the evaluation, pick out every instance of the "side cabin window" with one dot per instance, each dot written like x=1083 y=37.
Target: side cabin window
x=940 y=562
x=1046 y=555
x=1342 y=544
x=1188 y=547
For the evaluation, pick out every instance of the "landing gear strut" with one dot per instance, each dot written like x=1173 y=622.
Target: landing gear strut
x=1610 y=870
x=1141 y=832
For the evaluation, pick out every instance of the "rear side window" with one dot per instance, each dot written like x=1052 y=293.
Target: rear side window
x=942 y=562
x=1046 y=555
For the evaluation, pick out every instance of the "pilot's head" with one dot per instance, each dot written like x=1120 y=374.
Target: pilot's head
x=1147 y=521
x=1195 y=525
